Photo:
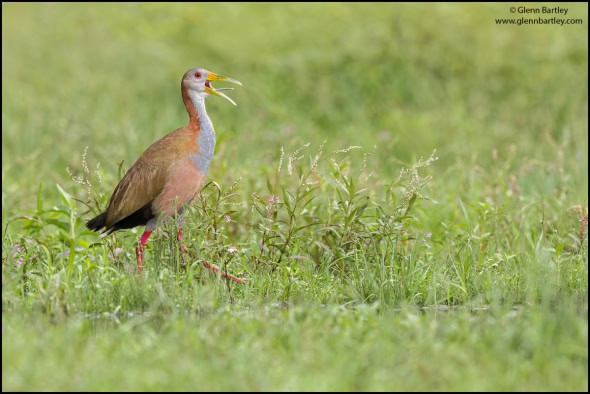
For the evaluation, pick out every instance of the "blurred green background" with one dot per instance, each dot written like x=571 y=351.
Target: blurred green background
x=407 y=77
x=502 y=237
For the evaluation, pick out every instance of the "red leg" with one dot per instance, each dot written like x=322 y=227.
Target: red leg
x=212 y=267
x=215 y=268
x=179 y=237
x=139 y=250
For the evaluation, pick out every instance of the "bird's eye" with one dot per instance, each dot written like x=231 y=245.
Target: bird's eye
x=198 y=74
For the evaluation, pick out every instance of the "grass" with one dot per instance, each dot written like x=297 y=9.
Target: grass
x=303 y=348
x=405 y=186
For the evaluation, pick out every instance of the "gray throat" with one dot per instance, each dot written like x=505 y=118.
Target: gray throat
x=206 y=138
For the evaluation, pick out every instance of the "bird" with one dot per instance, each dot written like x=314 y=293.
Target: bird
x=169 y=174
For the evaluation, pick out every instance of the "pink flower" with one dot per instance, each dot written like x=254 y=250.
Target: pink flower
x=273 y=199
x=227 y=218
x=17 y=249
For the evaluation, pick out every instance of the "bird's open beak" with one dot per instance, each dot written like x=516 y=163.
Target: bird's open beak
x=210 y=89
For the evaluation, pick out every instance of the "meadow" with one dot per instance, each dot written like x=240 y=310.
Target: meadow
x=405 y=186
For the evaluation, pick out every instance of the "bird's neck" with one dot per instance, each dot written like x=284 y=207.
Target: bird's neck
x=199 y=120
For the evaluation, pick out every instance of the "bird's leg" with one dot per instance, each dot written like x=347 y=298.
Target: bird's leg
x=139 y=250
x=179 y=237
x=183 y=248
x=215 y=268
x=212 y=267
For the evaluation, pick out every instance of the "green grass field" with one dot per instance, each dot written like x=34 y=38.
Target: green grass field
x=405 y=187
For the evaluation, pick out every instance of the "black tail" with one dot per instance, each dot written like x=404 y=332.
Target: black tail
x=97 y=223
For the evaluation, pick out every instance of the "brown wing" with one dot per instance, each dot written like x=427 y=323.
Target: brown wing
x=140 y=185
x=146 y=179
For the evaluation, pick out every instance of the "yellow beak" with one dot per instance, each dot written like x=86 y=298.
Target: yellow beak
x=210 y=89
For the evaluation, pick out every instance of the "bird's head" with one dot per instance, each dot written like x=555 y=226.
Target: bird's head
x=198 y=80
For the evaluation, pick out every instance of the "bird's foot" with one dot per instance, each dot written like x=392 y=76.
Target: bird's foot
x=139 y=257
x=139 y=250
x=215 y=268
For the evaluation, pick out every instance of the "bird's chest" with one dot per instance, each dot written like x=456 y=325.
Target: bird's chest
x=205 y=142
